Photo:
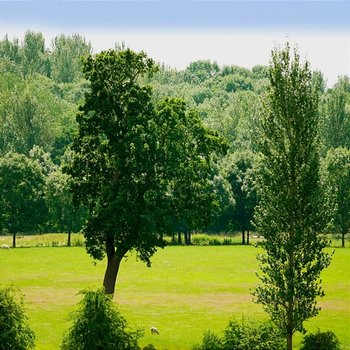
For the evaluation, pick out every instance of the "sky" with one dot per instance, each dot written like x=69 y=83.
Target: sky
x=178 y=32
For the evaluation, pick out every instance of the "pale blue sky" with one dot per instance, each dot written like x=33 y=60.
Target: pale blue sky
x=178 y=32
x=180 y=14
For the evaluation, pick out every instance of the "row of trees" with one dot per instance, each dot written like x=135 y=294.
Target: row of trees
x=35 y=196
x=38 y=108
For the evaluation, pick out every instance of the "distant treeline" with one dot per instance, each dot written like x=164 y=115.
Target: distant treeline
x=40 y=92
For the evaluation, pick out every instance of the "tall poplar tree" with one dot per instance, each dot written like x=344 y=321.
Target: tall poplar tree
x=290 y=213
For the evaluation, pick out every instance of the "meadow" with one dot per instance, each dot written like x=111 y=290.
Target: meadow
x=186 y=291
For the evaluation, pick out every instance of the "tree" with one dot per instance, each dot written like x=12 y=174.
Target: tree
x=197 y=72
x=240 y=172
x=290 y=213
x=29 y=114
x=63 y=215
x=35 y=56
x=336 y=172
x=22 y=205
x=10 y=50
x=335 y=127
x=66 y=57
x=15 y=331
x=129 y=157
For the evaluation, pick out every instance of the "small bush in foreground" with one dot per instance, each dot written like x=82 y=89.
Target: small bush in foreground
x=210 y=341
x=15 y=333
x=97 y=325
x=246 y=336
x=320 y=341
x=149 y=347
x=253 y=336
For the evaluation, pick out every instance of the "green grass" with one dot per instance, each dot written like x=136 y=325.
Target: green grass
x=187 y=290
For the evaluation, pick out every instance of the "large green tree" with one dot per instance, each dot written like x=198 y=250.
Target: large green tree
x=130 y=156
x=22 y=205
x=336 y=172
x=290 y=213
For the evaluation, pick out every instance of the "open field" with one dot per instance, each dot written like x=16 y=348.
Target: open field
x=187 y=290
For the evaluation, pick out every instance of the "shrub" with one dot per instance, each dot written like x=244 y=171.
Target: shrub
x=252 y=336
x=97 y=325
x=210 y=342
x=149 y=347
x=320 y=341
x=15 y=333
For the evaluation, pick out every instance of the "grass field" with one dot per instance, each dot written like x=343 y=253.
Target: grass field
x=187 y=290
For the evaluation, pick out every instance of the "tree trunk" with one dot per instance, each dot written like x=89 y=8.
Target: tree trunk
x=243 y=236
x=248 y=237
x=343 y=239
x=289 y=341
x=186 y=237
x=14 y=240
x=69 y=234
x=179 y=240
x=114 y=257
x=111 y=273
x=189 y=238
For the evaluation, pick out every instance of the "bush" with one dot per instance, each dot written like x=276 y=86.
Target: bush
x=149 y=347
x=253 y=336
x=320 y=341
x=97 y=325
x=246 y=336
x=15 y=332
x=210 y=342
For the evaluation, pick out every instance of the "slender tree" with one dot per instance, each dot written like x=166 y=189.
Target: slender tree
x=290 y=213
x=131 y=159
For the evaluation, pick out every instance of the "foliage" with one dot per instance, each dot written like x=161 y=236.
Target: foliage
x=149 y=347
x=63 y=215
x=290 y=213
x=335 y=126
x=22 y=201
x=252 y=336
x=246 y=336
x=97 y=325
x=210 y=341
x=137 y=166
x=15 y=331
x=336 y=178
x=35 y=57
x=320 y=341
x=240 y=171
x=66 y=57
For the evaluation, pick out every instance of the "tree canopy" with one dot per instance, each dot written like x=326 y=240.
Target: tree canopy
x=136 y=162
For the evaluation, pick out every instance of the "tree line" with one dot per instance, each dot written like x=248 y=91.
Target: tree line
x=41 y=89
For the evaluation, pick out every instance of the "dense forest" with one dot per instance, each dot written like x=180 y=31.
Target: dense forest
x=42 y=87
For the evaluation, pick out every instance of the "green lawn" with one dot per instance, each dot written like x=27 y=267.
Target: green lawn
x=187 y=290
